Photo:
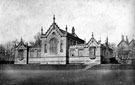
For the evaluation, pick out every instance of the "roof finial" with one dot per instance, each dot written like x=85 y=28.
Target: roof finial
x=73 y=30
x=66 y=28
x=92 y=35
x=21 y=38
x=107 y=40
x=122 y=37
x=54 y=18
x=41 y=29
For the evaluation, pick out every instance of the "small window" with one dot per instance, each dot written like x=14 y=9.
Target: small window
x=38 y=53
x=32 y=54
x=45 y=48
x=61 y=47
x=72 y=53
x=53 y=33
x=80 y=51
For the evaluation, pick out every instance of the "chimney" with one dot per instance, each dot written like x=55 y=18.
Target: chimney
x=66 y=30
x=127 y=39
x=107 y=40
x=73 y=30
x=122 y=37
x=54 y=18
x=92 y=35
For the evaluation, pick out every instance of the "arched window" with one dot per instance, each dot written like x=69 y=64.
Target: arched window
x=61 y=47
x=45 y=48
x=53 y=45
x=92 y=52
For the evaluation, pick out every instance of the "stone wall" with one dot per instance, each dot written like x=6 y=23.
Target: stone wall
x=48 y=60
x=84 y=60
x=81 y=54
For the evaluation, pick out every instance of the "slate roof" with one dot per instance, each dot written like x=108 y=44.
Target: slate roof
x=121 y=42
x=63 y=32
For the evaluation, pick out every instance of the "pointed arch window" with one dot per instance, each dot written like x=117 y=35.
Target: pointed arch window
x=53 y=45
x=92 y=51
x=61 y=47
x=45 y=48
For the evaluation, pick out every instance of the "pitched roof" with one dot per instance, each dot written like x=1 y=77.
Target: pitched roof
x=53 y=26
x=60 y=31
x=91 y=41
x=132 y=41
x=122 y=42
x=21 y=44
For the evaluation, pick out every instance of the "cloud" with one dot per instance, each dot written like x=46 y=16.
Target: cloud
x=107 y=17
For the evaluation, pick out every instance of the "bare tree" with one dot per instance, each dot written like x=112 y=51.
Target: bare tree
x=7 y=51
x=37 y=42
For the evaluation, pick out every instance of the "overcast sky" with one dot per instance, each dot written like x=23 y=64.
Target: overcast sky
x=110 y=18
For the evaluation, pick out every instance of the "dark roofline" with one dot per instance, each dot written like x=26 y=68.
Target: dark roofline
x=22 y=43
x=132 y=41
x=63 y=32
x=91 y=39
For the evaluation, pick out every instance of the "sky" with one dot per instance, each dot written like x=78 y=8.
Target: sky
x=24 y=18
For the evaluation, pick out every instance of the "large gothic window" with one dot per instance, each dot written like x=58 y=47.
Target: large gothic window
x=53 y=45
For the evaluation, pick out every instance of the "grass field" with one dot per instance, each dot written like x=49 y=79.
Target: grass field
x=97 y=75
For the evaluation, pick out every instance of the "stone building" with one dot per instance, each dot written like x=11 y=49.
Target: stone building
x=58 y=46
x=21 y=53
x=107 y=53
x=54 y=47
x=88 y=53
x=56 y=42
x=92 y=52
x=126 y=51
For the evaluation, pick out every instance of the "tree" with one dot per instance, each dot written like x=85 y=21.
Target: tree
x=7 y=51
x=15 y=42
x=2 y=53
x=37 y=42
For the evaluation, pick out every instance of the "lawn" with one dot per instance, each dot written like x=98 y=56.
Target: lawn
x=10 y=75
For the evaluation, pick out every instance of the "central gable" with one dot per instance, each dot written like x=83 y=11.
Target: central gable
x=54 y=27
x=92 y=42
x=123 y=44
x=53 y=33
